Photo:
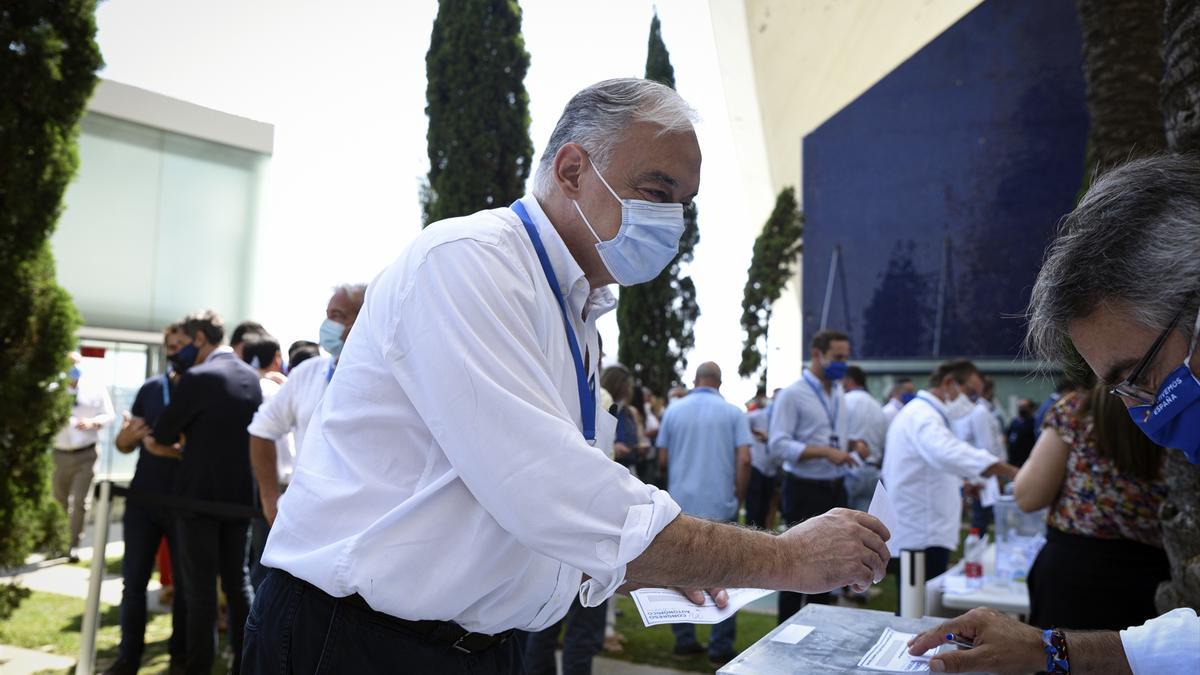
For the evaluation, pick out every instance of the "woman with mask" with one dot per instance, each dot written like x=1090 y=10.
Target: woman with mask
x=1102 y=479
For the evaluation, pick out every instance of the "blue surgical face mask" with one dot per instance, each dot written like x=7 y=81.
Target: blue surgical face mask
x=184 y=358
x=1174 y=419
x=645 y=244
x=907 y=397
x=835 y=370
x=331 y=337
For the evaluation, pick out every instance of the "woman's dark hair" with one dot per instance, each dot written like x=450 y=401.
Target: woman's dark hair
x=1117 y=437
x=618 y=382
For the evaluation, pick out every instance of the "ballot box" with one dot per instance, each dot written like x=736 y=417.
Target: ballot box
x=840 y=637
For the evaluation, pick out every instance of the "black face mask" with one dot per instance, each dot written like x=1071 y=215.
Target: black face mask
x=184 y=358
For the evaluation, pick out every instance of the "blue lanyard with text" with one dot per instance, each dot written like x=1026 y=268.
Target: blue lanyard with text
x=831 y=414
x=587 y=392
x=936 y=409
x=166 y=390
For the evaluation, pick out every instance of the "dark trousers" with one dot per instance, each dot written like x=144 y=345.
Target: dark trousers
x=759 y=494
x=297 y=628
x=144 y=528
x=720 y=641
x=209 y=547
x=982 y=517
x=937 y=561
x=1094 y=584
x=804 y=499
x=259 y=529
x=583 y=640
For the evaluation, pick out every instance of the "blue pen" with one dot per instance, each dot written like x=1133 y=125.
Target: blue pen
x=959 y=641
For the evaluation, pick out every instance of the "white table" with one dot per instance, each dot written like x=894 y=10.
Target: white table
x=1010 y=599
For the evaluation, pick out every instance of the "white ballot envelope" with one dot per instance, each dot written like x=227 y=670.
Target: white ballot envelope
x=990 y=492
x=881 y=508
x=890 y=654
x=664 y=605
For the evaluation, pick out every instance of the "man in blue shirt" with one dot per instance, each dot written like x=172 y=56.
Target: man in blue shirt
x=704 y=447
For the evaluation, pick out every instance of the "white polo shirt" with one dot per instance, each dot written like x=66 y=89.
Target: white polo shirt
x=923 y=469
x=291 y=407
x=444 y=475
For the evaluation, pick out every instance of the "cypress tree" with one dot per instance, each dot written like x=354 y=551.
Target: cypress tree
x=48 y=63
x=656 y=318
x=479 y=148
x=774 y=260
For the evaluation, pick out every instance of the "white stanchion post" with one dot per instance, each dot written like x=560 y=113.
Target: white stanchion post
x=912 y=584
x=91 y=611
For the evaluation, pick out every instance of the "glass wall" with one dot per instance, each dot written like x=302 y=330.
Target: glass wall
x=156 y=225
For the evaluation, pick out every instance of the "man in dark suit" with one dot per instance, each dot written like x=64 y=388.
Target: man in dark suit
x=212 y=405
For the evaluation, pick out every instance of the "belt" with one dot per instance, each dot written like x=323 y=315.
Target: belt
x=79 y=449
x=821 y=482
x=441 y=633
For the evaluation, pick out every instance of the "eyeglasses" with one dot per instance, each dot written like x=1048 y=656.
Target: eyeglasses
x=1128 y=387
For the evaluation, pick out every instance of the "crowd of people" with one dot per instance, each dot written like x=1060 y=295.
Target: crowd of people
x=458 y=478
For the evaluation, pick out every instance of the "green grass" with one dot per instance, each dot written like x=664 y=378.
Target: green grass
x=112 y=566
x=51 y=623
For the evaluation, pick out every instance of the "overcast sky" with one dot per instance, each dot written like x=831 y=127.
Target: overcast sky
x=344 y=86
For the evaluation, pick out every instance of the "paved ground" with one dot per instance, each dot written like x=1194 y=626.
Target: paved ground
x=15 y=660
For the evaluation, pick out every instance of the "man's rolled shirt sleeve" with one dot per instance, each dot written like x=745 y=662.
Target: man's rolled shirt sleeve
x=1166 y=644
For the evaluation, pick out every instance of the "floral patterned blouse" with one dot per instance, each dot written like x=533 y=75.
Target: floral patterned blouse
x=1096 y=499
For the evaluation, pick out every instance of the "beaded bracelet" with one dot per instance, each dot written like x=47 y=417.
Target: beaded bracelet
x=1057 y=659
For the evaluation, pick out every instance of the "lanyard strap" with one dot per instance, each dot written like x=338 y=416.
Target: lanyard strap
x=831 y=414
x=587 y=393
x=166 y=390
x=329 y=373
x=935 y=409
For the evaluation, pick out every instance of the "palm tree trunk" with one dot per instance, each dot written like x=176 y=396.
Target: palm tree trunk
x=1181 y=115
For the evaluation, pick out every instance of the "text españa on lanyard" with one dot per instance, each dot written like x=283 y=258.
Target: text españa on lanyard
x=587 y=394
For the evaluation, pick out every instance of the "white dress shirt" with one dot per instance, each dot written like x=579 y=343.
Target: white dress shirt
x=891 y=409
x=799 y=418
x=285 y=449
x=982 y=430
x=866 y=422
x=291 y=408
x=759 y=457
x=1166 y=644
x=444 y=475
x=91 y=403
x=922 y=470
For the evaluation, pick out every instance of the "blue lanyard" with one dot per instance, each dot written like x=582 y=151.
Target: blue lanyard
x=329 y=374
x=587 y=392
x=935 y=408
x=166 y=390
x=831 y=414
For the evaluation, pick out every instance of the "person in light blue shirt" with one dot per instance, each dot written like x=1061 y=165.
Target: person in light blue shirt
x=704 y=447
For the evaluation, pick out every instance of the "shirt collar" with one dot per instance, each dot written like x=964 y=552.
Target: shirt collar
x=941 y=407
x=708 y=390
x=570 y=275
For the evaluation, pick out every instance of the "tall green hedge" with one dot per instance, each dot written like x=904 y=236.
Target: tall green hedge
x=48 y=63
x=656 y=318
x=775 y=252
x=479 y=148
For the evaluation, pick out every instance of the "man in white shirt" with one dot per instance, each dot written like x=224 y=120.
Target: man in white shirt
x=981 y=429
x=867 y=424
x=450 y=486
x=901 y=394
x=762 y=494
x=925 y=464
x=75 y=446
x=810 y=436
x=1127 y=304
x=288 y=411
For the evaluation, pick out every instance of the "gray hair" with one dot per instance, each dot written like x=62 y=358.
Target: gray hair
x=1132 y=242
x=356 y=292
x=597 y=117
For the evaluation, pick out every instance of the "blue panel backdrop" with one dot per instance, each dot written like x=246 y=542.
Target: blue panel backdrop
x=938 y=188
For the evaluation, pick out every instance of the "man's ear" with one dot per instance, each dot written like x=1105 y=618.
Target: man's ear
x=570 y=162
x=814 y=354
x=200 y=340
